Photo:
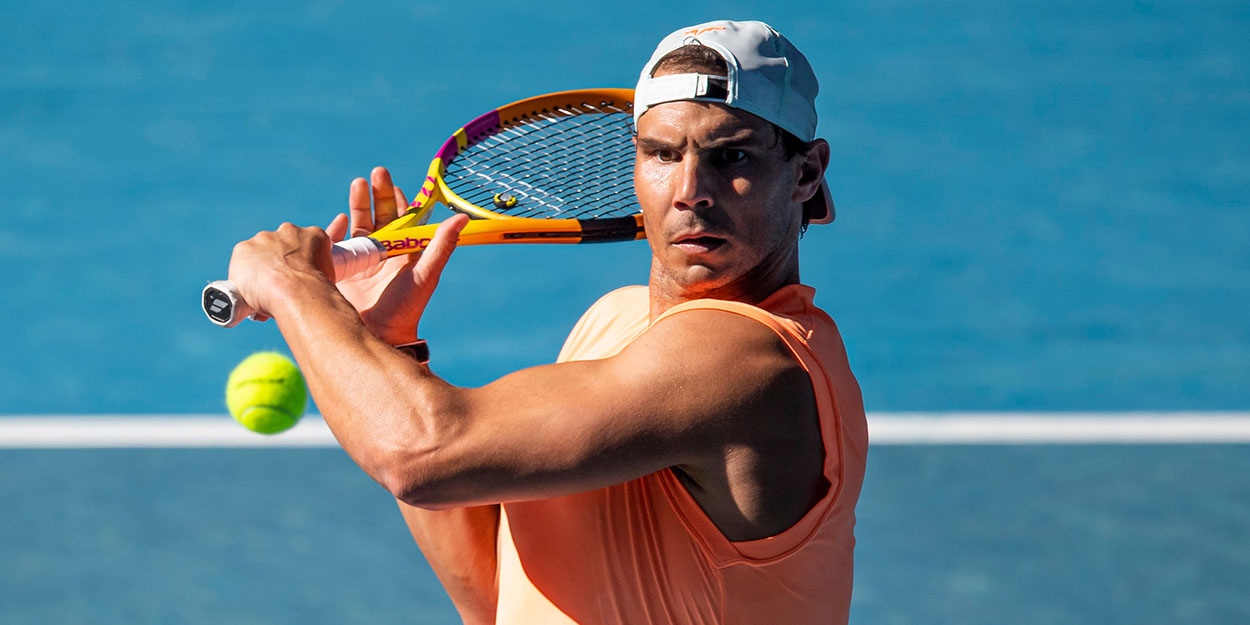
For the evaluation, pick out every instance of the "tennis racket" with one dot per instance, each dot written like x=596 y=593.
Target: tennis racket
x=556 y=168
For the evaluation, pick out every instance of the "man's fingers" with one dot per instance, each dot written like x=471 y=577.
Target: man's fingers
x=401 y=201
x=384 y=211
x=338 y=228
x=375 y=202
x=434 y=258
x=360 y=208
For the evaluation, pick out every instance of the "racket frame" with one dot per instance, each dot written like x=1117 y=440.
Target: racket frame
x=407 y=234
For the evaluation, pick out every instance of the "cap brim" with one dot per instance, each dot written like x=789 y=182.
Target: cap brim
x=820 y=206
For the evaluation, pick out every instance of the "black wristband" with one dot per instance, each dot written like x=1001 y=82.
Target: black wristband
x=418 y=351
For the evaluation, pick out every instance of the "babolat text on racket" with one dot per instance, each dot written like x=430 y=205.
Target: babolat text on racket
x=557 y=168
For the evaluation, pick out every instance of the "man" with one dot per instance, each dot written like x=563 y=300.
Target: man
x=695 y=455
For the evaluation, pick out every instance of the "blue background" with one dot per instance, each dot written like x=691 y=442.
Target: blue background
x=1042 y=206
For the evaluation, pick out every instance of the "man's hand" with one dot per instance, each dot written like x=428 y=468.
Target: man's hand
x=263 y=266
x=392 y=298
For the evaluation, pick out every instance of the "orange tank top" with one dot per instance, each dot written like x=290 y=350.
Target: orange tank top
x=644 y=551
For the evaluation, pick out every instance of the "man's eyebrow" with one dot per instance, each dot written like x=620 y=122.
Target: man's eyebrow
x=654 y=145
x=745 y=137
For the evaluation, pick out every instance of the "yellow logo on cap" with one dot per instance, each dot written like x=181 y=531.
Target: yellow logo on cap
x=695 y=32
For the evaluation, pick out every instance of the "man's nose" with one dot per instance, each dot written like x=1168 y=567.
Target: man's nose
x=693 y=187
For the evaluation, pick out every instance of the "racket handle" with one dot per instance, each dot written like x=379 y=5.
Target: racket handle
x=225 y=307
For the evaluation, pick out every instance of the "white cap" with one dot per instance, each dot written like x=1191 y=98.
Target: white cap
x=767 y=77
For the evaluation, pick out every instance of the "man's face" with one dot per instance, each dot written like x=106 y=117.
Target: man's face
x=719 y=199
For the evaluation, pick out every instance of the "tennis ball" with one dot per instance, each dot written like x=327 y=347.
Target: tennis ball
x=266 y=393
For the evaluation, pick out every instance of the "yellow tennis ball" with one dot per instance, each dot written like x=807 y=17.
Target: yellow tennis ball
x=266 y=393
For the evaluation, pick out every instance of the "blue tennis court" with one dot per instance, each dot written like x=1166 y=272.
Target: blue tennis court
x=1042 y=210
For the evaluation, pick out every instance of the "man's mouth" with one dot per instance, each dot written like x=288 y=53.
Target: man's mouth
x=698 y=244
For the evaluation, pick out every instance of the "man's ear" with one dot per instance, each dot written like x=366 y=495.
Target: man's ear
x=812 y=164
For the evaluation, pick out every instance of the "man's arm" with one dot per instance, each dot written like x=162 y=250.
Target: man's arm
x=460 y=544
x=692 y=391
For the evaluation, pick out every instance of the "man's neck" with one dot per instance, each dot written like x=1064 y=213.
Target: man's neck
x=751 y=288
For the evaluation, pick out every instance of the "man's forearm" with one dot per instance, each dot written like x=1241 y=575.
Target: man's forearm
x=370 y=395
x=460 y=545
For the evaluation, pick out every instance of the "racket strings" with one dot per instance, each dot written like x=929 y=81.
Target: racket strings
x=533 y=163
x=574 y=162
x=593 y=148
x=611 y=148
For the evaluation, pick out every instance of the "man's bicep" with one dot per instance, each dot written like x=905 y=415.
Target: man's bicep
x=586 y=424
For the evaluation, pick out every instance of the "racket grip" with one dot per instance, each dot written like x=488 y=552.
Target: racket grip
x=356 y=255
x=225 y=307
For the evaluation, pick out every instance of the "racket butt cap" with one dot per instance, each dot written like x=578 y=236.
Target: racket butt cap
x=223 y=305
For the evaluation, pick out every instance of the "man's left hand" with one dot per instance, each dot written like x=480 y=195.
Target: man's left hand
x=392 y=298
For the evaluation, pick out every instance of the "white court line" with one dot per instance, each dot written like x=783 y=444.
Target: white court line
x=163 y=431
x=1033 y=428
x=942 y=428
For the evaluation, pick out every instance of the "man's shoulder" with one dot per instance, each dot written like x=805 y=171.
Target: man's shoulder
x=626 y=299
x=608 y=325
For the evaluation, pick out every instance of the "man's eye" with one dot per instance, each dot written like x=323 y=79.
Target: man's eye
x=730 y=157
x=666 y=156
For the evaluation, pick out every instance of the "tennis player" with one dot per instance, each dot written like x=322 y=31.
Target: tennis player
x=696 y=453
